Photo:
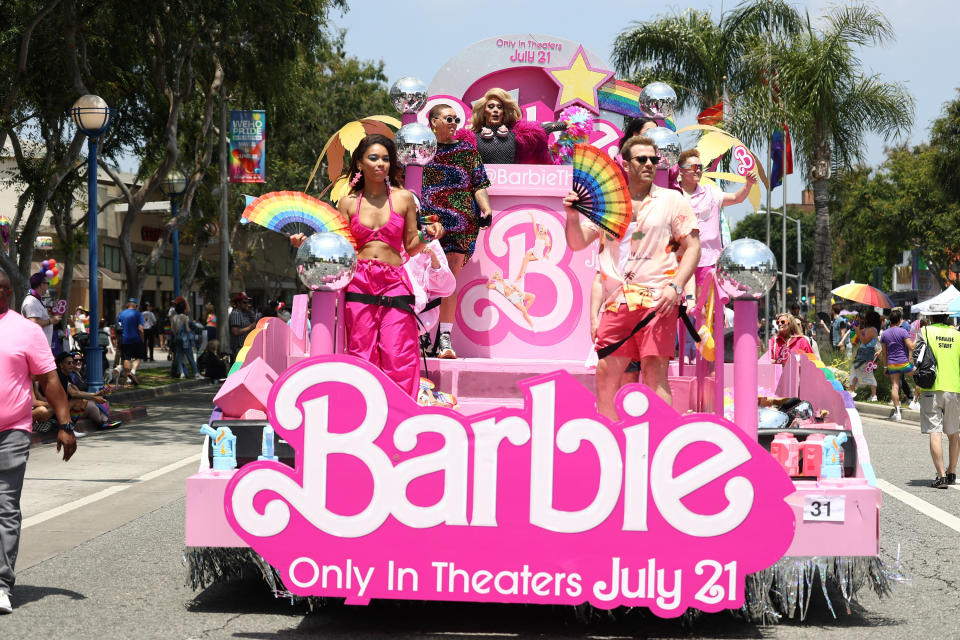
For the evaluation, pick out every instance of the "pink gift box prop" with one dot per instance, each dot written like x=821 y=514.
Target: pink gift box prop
x=786 y=450
x=246 y=388
x=811 y=452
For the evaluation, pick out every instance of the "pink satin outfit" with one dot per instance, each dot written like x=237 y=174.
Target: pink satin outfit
x=384 y=335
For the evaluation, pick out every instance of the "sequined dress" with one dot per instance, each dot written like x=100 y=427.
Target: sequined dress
x=449 y=183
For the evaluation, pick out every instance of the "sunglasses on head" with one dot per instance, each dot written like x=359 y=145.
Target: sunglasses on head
x=695 y=167
x=449 y=119
x=646 y=159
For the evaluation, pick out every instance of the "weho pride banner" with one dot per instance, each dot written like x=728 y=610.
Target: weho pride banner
x=548 y=504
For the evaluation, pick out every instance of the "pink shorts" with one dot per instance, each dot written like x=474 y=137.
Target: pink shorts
x=655 y=339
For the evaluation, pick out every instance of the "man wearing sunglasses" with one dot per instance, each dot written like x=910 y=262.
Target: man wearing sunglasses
x=642 y=276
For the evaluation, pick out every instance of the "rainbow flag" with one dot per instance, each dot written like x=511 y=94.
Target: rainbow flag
x=620 y=97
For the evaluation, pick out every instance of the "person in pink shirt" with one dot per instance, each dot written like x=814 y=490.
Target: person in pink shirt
x=788 y=340
x=706 y=202
x=21 y=360
x=642 y=275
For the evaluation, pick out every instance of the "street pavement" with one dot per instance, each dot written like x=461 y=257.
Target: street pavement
x=103 y=536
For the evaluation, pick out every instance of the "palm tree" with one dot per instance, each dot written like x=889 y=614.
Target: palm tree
x=830 y=105
x=701 y=59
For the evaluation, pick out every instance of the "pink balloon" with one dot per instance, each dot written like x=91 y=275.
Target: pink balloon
x=49 y=274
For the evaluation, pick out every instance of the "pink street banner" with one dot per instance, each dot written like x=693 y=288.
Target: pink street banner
x=247 y=137
x=548 y=504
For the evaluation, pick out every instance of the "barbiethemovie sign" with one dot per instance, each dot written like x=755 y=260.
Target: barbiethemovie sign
x=549 y=504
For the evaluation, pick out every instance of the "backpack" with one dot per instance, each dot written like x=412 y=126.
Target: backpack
x=925 y=375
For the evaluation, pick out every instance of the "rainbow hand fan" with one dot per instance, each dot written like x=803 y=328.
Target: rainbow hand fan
x=281 y=210
x=603 y=191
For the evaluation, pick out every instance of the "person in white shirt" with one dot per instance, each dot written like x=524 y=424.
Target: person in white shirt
x=33 y=308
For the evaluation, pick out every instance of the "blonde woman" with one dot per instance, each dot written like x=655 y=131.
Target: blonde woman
x=501 y=135
x=789 y=339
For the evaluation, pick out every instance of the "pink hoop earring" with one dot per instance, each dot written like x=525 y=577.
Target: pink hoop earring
x=356 y=179
x=387 y=182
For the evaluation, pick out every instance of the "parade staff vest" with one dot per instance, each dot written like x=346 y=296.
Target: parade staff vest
x=945 y=342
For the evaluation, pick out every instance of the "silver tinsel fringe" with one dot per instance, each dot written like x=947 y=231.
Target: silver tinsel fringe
x=783 y=590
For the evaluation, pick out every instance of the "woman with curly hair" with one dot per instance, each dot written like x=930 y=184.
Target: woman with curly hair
x=501 y=135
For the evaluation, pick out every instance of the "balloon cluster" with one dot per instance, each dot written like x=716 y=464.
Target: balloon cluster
x=51 y=271
x=4 y=230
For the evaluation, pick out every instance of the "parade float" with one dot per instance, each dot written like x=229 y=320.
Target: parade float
x=750 y=493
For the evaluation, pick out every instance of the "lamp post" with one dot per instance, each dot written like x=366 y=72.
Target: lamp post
x=173 y=187
x=92 y=116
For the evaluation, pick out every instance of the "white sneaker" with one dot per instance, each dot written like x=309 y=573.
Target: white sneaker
x=5 y=606
x=873 y=398
x=914 y=405
x=198 y=376
x=895 y=416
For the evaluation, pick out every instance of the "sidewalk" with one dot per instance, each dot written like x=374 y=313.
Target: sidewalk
x=881 y=411
x=130 y=416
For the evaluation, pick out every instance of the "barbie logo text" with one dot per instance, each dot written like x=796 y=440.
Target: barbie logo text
x=552 y=486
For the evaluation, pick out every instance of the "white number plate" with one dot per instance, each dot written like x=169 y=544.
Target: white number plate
x=823 y=508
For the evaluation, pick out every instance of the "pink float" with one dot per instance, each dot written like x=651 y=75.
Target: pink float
x=525 y=493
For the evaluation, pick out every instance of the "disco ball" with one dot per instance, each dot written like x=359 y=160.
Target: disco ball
x=408 y=94
x=416 y=144
x=746 y=269
x=668 y=145
x=658 y=100
x=326 y=262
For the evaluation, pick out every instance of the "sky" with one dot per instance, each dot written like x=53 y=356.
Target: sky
x=417 y=39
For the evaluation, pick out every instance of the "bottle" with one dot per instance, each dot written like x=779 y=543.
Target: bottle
x=266 y=445
x=224 y=446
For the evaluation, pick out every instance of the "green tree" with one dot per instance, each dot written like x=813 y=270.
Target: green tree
x=699 y=57
x=945 y=144
x=900 y=206
x=831 y=104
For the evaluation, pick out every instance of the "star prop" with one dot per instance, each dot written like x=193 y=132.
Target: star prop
x=579 y=82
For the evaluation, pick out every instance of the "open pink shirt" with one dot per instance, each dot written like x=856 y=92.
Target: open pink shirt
x=706 y=202
x=25 y=352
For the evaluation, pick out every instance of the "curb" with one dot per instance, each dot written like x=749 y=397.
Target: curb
x=137 y=395
x=882 y=411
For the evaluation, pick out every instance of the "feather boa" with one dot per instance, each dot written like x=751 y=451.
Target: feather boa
x=579 y=127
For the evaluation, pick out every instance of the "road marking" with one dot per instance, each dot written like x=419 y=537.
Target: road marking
x=924 y=507
x=106 y=493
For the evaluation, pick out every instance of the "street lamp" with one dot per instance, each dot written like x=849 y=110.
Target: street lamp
x=173 y=187
x=92 y=117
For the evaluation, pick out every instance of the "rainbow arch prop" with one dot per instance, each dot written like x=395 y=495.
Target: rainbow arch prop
x=289 y=212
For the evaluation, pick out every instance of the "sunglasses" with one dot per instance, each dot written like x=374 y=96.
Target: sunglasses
x=783 y=323
x=646 y=159
x=449 y=119
x=694 y=167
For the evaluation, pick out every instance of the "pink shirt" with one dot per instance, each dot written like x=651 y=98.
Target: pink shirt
x=706 y=203
x=24 y=352
x=429 y=283
x=636 y=268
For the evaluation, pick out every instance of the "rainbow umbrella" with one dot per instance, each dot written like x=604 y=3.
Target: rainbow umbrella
x=864 y=294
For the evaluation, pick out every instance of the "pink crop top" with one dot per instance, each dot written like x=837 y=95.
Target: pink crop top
x=390 y=233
